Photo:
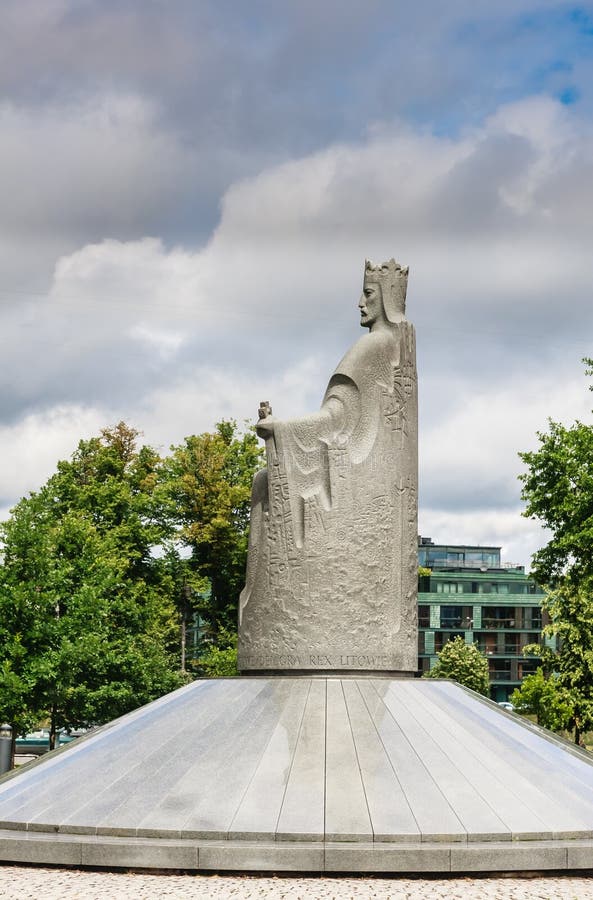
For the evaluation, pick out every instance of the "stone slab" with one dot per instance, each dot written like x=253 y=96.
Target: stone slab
x=361 y=857
x=259 y=809
x=163 y=763
x=140 y=854
x=432 y=812
x=504 y=857
x=228 y=766
x=489 y=774
x=47 y=850
x=389 y=810
x=302 y=816
x=579 y=855
x=469 y=805
x=529 y=762
x=301 y=856
x=346 y=810
x=261 y=856
x=298 y=773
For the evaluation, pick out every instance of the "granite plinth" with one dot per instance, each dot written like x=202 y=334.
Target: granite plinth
x=307 y=774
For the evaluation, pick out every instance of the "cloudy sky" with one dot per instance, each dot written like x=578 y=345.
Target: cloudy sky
x=189 y=190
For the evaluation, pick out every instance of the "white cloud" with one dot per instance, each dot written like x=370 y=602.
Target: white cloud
x=173 y=339
x=470 y=455
x=518 y=537
x=31 y=448
x=164 y=343
x=128 y=283
x=104 y=160
x=205 y=396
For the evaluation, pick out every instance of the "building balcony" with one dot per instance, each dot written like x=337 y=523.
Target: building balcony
x=498 y=623
x=452 y=563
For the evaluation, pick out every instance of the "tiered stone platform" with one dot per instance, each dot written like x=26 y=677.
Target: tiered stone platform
x=308 y=774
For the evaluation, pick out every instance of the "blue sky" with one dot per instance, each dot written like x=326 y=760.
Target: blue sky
x=190 y=190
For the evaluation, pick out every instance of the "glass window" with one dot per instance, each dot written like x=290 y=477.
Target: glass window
x=500 y=670
x=488 y=558
x=453 y=557
x=424 y=616
x=494 y=587
x=527 y=667
x=499 y=588
x=498 y=617
x=449 y=587
x=487 y=643
x=451 y=616
x=511 y=644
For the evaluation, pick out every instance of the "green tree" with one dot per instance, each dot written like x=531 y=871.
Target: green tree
x=570 y=612
x=220 y=660
x=558 y=491
x=463 y=663
x=85 y=603
x=208 y=484
x=15 y=705
x=544 y=697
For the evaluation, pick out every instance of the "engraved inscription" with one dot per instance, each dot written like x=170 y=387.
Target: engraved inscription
x=321 y=661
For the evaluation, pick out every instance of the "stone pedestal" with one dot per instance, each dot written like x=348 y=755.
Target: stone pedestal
x=315 y=774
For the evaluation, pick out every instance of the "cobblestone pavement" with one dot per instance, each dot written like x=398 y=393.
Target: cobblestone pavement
x=24 y=883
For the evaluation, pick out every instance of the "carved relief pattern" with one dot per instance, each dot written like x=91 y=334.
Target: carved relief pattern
x=346 y=598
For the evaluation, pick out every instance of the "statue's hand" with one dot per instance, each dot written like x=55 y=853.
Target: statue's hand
x=265 y=427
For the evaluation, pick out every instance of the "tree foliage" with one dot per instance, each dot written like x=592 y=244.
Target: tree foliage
x=558 y=490
x=106 y=563
x=85 y=606
x=570 y=612
x=220 y=660
x=208 y=483
x=463 y=663
x=543 y=696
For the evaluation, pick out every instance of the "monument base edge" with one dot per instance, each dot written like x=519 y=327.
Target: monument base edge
x=96 y=851
x=331 y=673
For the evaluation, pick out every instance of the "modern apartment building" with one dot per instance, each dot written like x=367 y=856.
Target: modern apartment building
x=469 y=592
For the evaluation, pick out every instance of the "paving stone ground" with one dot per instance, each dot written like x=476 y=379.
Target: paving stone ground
x=31 y=883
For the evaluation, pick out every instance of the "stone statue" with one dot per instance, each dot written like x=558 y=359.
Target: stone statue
x=332 y=568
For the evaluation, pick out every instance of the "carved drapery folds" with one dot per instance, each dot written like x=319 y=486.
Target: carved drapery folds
x=332 y=571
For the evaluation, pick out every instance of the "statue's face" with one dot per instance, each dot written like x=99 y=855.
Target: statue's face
x=371 y=304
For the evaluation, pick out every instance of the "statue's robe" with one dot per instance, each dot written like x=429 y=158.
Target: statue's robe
x=332 y=566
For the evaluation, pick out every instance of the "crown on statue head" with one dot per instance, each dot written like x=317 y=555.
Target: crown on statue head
x=393 y=279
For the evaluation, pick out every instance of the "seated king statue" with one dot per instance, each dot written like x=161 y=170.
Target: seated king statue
x=332 y=569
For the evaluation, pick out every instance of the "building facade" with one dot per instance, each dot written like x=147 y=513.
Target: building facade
x=495 y=605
